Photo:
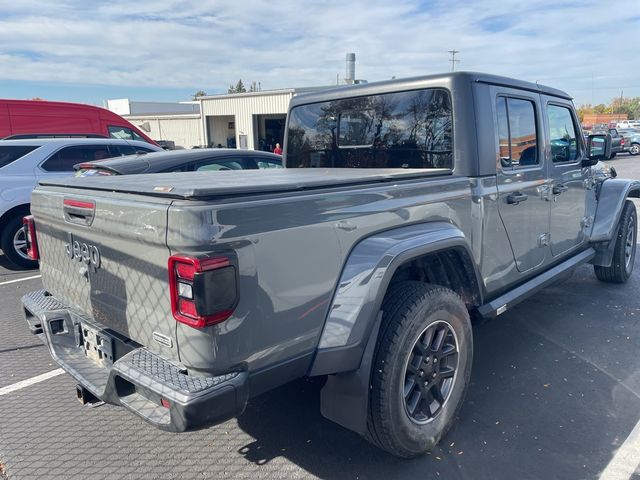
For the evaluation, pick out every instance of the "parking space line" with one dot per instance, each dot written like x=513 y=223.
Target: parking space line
x=626 y=460
x=30 y=381
x=20 y=280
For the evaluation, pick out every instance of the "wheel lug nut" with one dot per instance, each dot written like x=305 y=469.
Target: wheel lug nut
x=427 y=360
x=435 y=360
x=426 y=384
x=434 y=375
x=420 y=373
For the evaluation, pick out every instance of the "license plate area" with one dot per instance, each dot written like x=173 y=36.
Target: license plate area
x=97 y=345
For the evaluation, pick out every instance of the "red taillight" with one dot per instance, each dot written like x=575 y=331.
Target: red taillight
x=30 y=236
x=78 y=204
x=622 y=142
x=185 y=270
x=203 y=290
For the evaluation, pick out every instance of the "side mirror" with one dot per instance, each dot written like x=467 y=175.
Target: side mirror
x=599 y=148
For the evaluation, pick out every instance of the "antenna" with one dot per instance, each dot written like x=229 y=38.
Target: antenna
x=453 y=58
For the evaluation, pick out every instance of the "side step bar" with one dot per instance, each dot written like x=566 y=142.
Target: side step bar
x=513 y=297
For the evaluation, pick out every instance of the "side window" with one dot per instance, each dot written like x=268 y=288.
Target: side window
x=9 y=154
x=122 y=133
x=517 y=136
x=137 y=137
x=66 y=158
x=182 y=168
x=562 y=134
x=129 y=149
x=503 y=132
x=214 y=165
x=267 y=163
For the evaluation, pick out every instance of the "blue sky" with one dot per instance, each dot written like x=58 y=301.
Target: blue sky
x=89 y=51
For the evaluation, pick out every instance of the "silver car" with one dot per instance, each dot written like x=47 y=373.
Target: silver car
x=24 y=162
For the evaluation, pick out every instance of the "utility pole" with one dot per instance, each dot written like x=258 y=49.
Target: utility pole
x=453 y=59
x=621 y=100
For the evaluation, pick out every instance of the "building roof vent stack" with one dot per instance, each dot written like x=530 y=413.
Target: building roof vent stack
x=350 y=75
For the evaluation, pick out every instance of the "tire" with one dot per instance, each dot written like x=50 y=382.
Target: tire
x=11 y=231
x=634 y=149
x=624 y=252
x=415 y=316
x=613 y=155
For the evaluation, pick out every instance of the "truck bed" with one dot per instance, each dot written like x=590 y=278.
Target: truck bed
x=207 y=185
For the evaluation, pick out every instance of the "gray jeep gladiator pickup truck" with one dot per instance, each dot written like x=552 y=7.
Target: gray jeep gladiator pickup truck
x=406 y=208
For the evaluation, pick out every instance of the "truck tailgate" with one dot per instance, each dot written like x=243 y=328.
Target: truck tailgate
x=108 y=262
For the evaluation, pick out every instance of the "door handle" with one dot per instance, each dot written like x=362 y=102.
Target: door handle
x=516 y=197
x=559 y=188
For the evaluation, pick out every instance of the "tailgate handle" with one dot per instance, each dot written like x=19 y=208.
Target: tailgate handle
x=78 y=211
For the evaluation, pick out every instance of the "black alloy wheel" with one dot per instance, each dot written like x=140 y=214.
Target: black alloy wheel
x=430 y=372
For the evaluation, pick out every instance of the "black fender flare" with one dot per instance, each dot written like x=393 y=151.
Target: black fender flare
x=347 y=345
x=612 y=194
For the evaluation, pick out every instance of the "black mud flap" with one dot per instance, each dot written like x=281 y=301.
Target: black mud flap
x=345 y=397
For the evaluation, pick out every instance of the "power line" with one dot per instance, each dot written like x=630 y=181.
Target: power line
x=453 y=58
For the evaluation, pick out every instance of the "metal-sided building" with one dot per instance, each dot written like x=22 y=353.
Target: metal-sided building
x=253 y=120
x=250 y=120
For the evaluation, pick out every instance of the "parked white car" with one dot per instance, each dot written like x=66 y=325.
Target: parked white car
x=628 y=124
x=24 y=162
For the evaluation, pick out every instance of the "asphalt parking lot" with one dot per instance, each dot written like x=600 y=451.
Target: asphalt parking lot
x=555 y=394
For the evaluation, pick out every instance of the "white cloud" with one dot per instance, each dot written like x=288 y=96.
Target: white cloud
x=284 y=43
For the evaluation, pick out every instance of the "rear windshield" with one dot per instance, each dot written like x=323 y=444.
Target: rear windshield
x=394 y=130
x=9 y=154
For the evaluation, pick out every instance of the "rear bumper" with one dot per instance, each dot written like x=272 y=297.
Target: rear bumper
x=136 y=378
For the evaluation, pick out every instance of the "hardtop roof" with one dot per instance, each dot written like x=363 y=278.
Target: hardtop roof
x=427 y=81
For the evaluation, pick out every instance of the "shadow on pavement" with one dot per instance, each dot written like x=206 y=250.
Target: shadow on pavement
x=543 y=403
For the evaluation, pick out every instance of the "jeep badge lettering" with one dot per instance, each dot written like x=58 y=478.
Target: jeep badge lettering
x=82 y=252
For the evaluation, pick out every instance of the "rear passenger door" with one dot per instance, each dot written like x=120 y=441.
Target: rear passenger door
x=570 y=186
x=521 y=175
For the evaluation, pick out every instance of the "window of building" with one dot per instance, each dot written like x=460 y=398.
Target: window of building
x=562 y=134
x=517 y=134
x=394 y=130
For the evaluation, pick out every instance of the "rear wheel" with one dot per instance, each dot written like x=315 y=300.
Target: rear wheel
x=624 y=252
x=14 y=244
x=421 y=368
x=613 y=155
x=634 y=149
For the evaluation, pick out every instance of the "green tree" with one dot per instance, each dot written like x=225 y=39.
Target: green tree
x=239 y=88
x=199 y=93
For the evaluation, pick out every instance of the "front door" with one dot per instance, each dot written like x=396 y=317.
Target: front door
x=521 y=176
x=570 y=181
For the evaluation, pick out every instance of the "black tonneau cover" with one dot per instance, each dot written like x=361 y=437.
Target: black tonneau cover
x=202 y=185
